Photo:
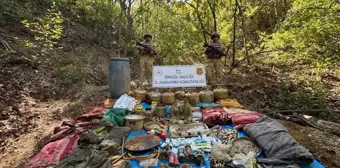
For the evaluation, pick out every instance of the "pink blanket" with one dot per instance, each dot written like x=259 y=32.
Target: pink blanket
x=217 y=116
x=53 y=152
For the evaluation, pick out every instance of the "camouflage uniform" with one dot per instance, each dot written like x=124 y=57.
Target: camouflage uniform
x=146 y=61
x=214 y=63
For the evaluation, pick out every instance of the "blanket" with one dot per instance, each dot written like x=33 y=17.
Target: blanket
x=53 y=152
x=79 y=124
x=279 y=147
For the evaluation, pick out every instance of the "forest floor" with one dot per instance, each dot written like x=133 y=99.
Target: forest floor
x=46 y=115
x=18 y=150
x=323 y=145
x=31 y=105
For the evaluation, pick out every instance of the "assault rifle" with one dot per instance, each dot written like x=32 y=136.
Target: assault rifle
x=214 y=49
x=147 y=48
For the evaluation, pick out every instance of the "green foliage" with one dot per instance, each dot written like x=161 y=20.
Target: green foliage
x=312 y=98
x=47 y=31
x=100 y=17
x=69 y=74
x=174 y=37
x=309 y=36
x=300 y=37
x=70 y=71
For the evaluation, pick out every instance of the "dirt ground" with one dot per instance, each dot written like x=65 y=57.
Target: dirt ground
x=323 y=145
x=19 y=150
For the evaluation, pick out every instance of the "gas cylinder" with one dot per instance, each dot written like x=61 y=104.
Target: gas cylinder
x=220 y=93
x=180 y=95
x=154 y=96
x=168 y=97
x=139 y=94
x=206 y=95
x=194 y=98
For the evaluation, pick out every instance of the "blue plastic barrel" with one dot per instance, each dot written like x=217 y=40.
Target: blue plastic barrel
x=119 y=79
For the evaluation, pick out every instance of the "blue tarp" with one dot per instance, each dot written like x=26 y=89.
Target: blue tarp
x=206 y=164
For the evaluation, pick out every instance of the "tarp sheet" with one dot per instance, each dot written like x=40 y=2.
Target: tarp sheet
x=206 y=164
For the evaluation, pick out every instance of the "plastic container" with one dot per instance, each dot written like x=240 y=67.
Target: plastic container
x=135 y=122
x=119 y=77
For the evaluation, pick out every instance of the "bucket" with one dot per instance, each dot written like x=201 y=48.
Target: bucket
x=119 y=79
x=135 y=122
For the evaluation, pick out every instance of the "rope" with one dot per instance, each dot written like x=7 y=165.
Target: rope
x=158 y=153
x=115 y=161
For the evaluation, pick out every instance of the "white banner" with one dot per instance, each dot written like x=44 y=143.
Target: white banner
x=178 y=76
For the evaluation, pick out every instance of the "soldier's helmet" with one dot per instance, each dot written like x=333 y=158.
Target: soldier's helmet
x=147 y=35
x=215 y=34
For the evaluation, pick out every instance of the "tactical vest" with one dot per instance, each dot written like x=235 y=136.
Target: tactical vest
x=147 y=52
x=214 y=54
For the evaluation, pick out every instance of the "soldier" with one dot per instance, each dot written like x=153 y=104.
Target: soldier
x=147 y=51
x=214 y=51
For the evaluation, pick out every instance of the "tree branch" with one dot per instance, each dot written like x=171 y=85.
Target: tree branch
x=212 y=8
x=198 y=17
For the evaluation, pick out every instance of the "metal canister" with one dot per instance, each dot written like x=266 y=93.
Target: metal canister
x=172 y=159
x=220 y=93
x=206 y=95
x=181 y=154
x=168 y=97
x=180 y=95
x=176 y=161
x=160 y=111
x=164 y=155
x=139 y=94
x=199 y=157
x=190 y=157
x=194 y=98
x=154 y=96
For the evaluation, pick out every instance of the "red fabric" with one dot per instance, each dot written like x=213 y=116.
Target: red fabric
x=241 y=119
x=95 y=112
x=214 y=116
x=53 y=152
x=79 y=125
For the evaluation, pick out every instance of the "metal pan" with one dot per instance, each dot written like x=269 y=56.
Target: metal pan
x=142 y=143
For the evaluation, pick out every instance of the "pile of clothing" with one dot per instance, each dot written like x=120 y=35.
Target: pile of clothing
x=217 y=116
x=79 y=124
x=88 y=135
x=95 y=151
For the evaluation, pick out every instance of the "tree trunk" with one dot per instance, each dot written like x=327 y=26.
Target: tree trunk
x=119 y=32
x=129 y=29
x=234 y=37
x=243 y=32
